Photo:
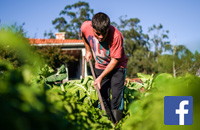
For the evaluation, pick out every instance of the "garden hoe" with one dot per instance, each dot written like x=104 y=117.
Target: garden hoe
x=97 y=88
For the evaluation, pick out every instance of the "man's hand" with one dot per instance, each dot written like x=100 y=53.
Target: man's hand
x=108 y=69
x=88 y=56
x=97 y=83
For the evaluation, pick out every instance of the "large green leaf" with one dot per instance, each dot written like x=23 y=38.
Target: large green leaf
x=56 y=78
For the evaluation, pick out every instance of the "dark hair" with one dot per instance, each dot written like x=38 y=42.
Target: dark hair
x=100 y=22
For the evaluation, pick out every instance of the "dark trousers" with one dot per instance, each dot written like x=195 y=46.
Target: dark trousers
x=114 y=81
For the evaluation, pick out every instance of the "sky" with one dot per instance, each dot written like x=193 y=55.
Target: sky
x=180 y=17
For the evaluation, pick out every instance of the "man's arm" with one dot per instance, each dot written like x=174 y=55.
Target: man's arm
x=116 y=49
x=108 y=69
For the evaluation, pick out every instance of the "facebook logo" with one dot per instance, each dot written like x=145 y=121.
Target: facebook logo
x=178 y=110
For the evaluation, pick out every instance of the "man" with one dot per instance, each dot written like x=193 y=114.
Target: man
x=106 y=43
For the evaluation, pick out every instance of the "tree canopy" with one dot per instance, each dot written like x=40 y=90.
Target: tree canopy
x=71 y=19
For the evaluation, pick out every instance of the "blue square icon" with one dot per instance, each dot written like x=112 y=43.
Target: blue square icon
x=178 y=110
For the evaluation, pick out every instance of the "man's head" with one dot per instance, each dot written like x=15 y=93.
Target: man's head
x=101 y=25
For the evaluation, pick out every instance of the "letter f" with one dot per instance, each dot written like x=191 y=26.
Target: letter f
x=181 y=111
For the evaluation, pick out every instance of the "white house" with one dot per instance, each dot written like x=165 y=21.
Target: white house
x=76 y=70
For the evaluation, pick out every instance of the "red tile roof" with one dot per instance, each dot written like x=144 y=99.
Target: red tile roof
x=46 y=41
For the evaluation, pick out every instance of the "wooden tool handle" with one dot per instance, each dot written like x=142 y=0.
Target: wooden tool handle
x=97 y=88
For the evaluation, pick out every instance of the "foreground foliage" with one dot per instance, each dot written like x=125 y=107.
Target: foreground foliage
x=147 y=113
x=28 y=101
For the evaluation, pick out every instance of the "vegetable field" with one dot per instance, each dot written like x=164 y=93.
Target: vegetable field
x=30 y=99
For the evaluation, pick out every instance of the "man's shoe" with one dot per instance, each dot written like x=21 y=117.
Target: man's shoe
x=118 y=114
x=110 y=116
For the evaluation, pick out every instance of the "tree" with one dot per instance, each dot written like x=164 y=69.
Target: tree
x=136 y=46
x=54 y=56
x=51 y=35
x=71 y=19
x=180 y=62
x=158 y=38
x=6 y=52
x=133 y=35
x=188 y=62
x=15 y=28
